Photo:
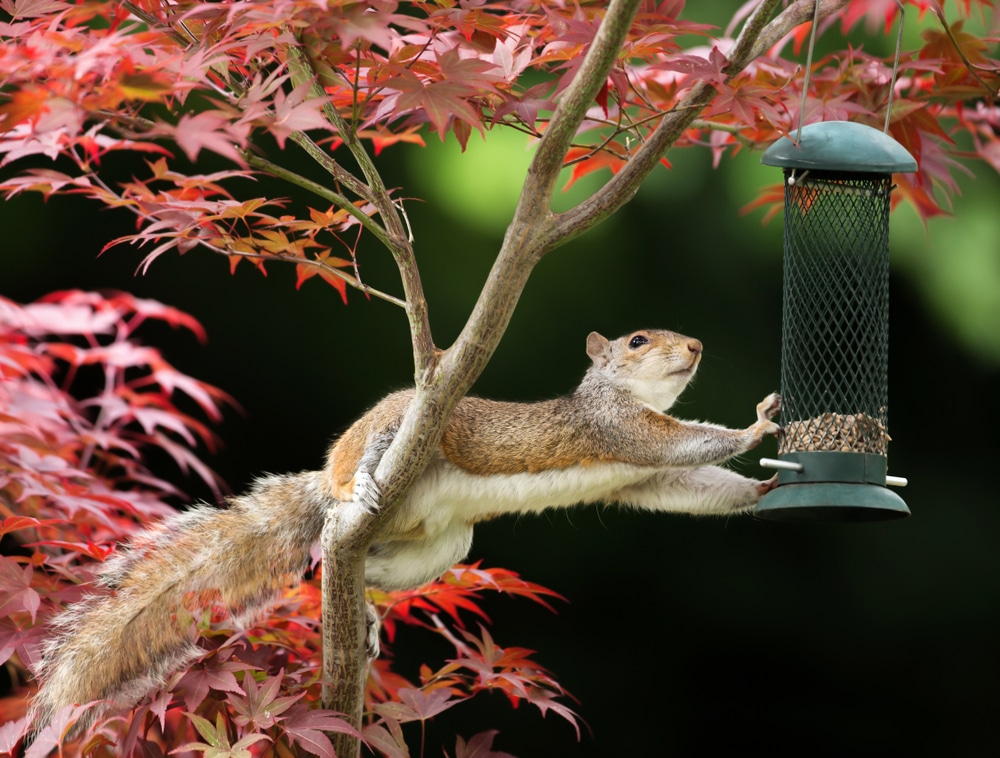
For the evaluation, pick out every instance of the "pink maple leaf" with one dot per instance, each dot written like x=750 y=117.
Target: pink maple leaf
x=295 y=113
x=210 y=130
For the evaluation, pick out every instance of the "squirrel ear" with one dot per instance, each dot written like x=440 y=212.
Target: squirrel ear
x=598 y=348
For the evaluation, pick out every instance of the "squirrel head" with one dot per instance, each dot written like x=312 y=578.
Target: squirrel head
x=653 y=365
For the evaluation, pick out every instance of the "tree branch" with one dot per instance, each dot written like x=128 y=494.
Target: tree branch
x=334 y=169
x=344 y=626
x=797 y=13
x=573 y=105
x=527 y=236
x=460 y=365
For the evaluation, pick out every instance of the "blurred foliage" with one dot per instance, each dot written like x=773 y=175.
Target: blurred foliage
x=955 y=264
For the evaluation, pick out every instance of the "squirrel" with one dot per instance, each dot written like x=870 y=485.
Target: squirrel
x=609 y=441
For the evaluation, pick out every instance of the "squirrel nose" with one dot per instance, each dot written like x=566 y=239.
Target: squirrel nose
x=694 y=346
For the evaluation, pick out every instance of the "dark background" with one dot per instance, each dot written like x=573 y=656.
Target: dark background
x=680 y=636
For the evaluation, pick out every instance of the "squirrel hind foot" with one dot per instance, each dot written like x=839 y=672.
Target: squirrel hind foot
x=366 y=491
x=373 y=625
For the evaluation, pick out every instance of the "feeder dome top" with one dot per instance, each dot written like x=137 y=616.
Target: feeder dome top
x=841 y=146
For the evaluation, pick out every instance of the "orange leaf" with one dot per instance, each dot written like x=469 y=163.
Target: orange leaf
x=772 y=198
x=596 y=161
x=23 y=105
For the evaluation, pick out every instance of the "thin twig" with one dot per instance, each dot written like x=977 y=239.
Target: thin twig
x=734 y=130
x=325 y=161
x=340 y=274
x=154 y=23
x=282 y=257
x=280 y=172
x=397 y=239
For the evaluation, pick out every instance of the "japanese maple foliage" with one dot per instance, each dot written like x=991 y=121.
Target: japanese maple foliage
x=158 y=77
x=233 y=85
x=73 y=482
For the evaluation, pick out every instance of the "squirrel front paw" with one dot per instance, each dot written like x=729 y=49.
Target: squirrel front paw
x=766 y=410
x=769 y=407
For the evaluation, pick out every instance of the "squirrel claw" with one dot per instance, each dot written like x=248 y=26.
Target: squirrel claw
x=767 y=485
x=366 y=491
x=372 y=627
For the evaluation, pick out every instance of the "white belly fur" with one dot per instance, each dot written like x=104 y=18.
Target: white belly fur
x=446 y=501
x=446 y=493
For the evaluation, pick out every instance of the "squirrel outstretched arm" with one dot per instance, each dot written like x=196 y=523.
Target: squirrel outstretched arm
x=609 y=441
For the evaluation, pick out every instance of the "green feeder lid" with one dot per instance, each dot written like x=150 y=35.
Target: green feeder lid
x=841 y=146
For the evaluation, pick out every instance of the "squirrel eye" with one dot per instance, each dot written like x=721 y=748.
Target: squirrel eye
x=637 y=341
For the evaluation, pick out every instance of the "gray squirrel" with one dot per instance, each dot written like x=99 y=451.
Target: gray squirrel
x=608 y=441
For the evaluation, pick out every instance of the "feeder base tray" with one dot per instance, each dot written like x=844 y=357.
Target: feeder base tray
x=830 y=501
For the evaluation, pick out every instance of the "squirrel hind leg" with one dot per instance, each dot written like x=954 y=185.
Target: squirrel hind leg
x=702 y=490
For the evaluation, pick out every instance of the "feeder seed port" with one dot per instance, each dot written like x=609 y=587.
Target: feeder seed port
x=892 y=481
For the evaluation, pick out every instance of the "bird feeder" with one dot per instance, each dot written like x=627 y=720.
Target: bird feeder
x=835 y=325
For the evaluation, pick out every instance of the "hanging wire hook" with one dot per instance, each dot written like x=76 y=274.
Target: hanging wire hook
x=809 y=58
x=805 y=80
x=895 y=65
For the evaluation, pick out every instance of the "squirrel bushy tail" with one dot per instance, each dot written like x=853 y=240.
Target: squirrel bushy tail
x=121 y=645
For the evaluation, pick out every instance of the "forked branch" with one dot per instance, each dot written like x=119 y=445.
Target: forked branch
x=756 y=38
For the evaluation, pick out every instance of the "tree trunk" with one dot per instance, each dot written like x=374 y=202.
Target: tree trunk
x=345 y=658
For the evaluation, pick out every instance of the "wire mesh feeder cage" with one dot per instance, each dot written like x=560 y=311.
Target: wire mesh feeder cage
x=835 y=326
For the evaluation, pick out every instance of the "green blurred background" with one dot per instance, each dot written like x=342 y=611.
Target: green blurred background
x=680 y=636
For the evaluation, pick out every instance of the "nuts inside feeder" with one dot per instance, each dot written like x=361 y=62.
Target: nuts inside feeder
x=836 y=432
